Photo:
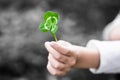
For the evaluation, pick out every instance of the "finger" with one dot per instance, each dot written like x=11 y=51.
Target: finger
x=60 y=48
x=60 y=57
x=54 y=71
x=56 y=64
x=50 y=49
x=64 y=43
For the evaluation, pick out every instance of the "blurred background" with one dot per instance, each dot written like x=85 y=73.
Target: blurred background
x=22 y=52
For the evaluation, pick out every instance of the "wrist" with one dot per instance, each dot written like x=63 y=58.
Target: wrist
x=87 y=58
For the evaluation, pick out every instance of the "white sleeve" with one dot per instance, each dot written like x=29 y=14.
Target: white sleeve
x=110 y=26
x=109 y=56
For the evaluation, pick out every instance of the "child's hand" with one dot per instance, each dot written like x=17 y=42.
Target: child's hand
x=62 y=57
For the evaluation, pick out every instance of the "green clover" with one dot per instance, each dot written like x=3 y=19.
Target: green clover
x=50 y=23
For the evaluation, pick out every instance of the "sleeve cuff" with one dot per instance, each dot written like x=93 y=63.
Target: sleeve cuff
x=107 y=59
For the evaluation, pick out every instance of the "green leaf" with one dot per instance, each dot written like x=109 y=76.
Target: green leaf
x=50 y=23
x=54 y=29
x=54 y=20
x=51 y=14
x=41 y=27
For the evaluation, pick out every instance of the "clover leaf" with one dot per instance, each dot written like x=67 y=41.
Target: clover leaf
x=50 y=23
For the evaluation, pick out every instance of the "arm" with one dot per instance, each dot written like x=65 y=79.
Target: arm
x=87 y=58
x=99 y=56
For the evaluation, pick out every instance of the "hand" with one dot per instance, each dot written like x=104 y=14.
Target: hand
x=62 y=57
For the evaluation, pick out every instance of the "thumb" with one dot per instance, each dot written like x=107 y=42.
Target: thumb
x=64 y=43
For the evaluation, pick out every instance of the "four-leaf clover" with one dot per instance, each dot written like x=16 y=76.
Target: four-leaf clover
x=50 y=23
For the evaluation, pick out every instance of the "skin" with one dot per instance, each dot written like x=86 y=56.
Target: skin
x=115 y=34
x=64 y=56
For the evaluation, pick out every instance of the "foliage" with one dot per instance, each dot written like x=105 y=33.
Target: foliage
x=50 y=23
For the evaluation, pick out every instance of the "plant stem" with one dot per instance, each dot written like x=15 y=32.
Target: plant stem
x=55 y=37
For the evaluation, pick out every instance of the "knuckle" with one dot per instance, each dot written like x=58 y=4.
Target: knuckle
x=48 y=57
x=59 y=57
x=67 y=51
x=57 y=46
x=73 y=62
x=48 y=67
x=57 y=66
